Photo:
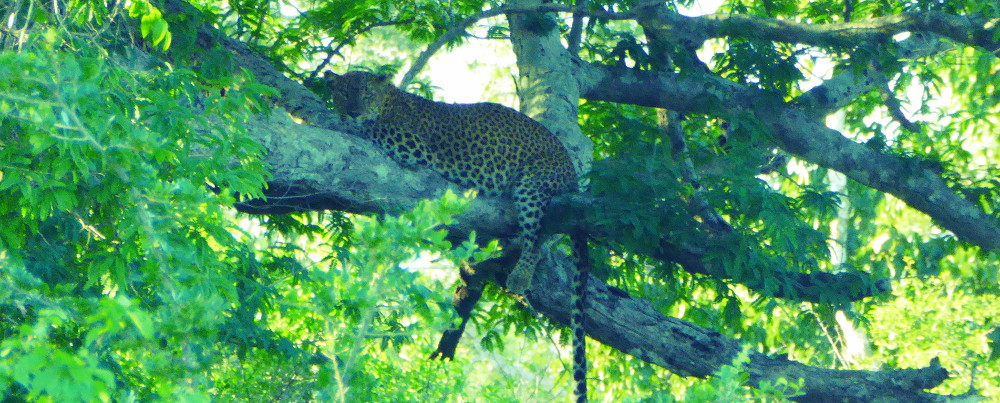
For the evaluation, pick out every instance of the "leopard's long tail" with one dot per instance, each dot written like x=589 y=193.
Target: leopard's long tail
x=577 y=315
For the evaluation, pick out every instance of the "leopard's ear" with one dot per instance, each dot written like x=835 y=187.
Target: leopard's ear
x=384 y=77
x=329 y=75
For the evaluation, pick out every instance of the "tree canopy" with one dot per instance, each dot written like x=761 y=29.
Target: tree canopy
x=785 y=200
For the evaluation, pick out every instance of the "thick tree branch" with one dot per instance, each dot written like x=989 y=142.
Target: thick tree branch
x=633 y=326
x=545 y=84
x=801 y=132
x=965 y=30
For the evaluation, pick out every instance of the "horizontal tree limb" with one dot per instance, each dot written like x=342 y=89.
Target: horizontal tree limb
x=801 y=132
x=844 y=35
x=633 y=326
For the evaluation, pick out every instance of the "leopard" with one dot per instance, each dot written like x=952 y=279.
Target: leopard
x=485 y=146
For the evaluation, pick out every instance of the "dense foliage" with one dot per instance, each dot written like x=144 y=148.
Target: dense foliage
x=126 y=274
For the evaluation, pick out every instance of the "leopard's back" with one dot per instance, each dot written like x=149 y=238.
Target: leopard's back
x=484 y=145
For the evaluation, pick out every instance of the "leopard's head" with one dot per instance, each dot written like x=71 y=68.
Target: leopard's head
x=358 y=94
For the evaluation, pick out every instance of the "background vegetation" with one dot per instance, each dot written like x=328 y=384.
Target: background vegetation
x=127 y=275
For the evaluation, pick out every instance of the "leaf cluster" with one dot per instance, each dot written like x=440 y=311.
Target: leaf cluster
x=115 y=241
